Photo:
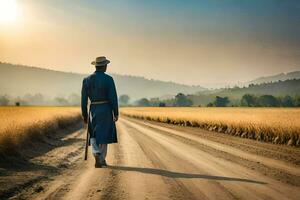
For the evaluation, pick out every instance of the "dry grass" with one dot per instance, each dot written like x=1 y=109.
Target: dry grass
x=20 y=125
x=277 y=125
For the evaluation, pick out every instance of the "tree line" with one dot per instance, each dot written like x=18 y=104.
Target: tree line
x=247 y=100
x=250 y=100
x=39 y=99
x=179 y=100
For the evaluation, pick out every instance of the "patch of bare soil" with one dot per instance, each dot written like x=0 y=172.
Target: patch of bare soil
x=40 y=160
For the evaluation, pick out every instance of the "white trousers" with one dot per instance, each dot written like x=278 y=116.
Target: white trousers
x=98 y=149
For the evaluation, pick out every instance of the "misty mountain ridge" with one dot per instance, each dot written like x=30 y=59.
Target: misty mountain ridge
x=275 y=78
x=19 y=80
x=289 y=87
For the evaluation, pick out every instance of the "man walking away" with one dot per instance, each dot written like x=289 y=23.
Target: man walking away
x=100 y=89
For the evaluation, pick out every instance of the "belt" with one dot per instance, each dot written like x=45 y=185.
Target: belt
x=98 y=102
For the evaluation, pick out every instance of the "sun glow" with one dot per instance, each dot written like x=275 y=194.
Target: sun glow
x=8 y=11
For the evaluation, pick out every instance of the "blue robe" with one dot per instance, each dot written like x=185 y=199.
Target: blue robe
x=100 y=87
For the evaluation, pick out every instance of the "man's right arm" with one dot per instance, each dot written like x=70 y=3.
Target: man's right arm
x=113 y=98
x=84 y=100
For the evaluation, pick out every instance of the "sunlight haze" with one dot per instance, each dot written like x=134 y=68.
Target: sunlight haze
x=8 y=11
x=208 y=43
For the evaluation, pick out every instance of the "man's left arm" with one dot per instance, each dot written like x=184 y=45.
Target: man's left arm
x=84 y=100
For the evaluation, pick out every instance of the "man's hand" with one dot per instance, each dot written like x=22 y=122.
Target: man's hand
x=116 y=118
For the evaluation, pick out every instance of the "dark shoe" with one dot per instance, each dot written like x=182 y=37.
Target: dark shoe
x=97 y=161
x=103 y=163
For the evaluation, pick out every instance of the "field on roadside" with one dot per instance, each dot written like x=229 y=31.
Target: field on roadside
x=19 y=125
x=277 y=125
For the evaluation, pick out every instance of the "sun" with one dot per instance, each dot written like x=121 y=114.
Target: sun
x=8 y=11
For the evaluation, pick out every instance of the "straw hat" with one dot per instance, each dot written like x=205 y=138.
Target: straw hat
x=100 y=61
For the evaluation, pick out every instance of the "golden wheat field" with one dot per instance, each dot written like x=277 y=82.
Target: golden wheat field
x=19 y=124
x=277 y=125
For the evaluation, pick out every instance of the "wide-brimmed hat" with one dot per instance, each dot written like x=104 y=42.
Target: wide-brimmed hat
x=100 y=61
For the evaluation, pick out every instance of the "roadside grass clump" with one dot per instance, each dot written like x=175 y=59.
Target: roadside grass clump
x=274 y=125
x=22 y=126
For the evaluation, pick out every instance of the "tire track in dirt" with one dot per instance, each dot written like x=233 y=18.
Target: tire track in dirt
x=194 y=139
x=279 y=152
x=209 y=164
x=231 y=150
x=181 y=189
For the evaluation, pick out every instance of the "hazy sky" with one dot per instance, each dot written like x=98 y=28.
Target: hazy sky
x=206 y=42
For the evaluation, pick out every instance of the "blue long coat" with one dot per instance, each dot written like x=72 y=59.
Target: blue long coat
x=100 y=87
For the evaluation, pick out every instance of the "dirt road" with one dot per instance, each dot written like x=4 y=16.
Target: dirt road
x=161 y=161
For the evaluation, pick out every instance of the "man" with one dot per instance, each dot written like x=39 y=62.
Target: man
x=100 y=89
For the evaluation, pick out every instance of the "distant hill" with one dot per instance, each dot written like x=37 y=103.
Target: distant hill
x=277 y=89
x=275 y=78
x=18 y=80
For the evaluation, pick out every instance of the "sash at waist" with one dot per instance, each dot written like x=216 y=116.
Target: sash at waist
x=98 y=102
